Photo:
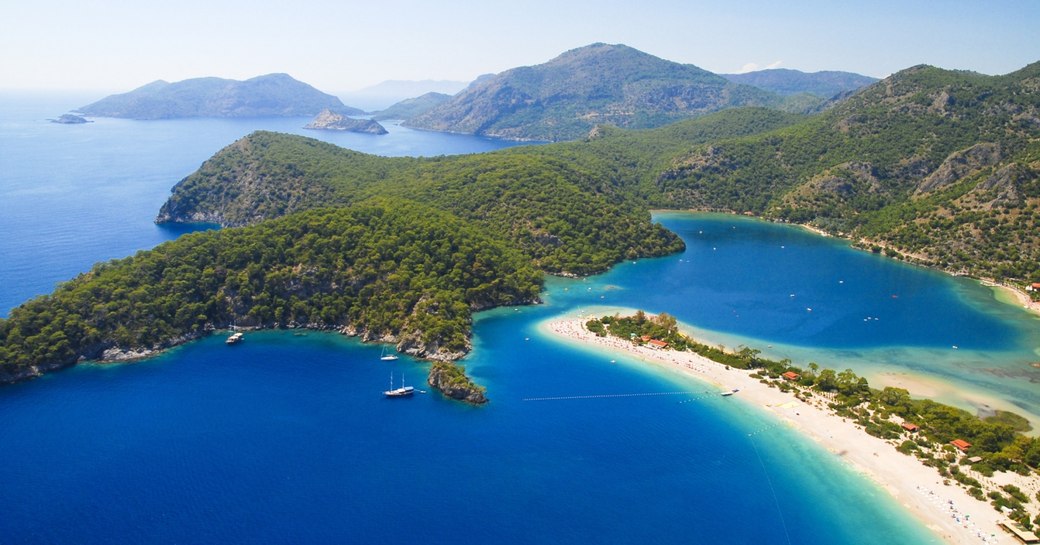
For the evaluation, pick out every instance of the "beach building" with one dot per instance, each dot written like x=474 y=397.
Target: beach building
x=1020 y=533
x=1035 y=286
x=656 y=344
x=791 y=375
x=961 y=444
x=912 y=428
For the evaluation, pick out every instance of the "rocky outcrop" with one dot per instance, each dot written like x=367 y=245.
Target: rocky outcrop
x=959 y=165
x=329 y=120
x=451 y=380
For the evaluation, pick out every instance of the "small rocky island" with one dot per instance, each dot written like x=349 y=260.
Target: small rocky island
x=329 y=120
x=70 y=119
x=452 y=381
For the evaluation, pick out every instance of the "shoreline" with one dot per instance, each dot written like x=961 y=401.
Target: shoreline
x=947 y=510
x=1017 y=295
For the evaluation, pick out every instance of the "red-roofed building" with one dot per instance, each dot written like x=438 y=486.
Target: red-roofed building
x=654 y=343
x=961 y=444
x=791 y=375
x=910 y=427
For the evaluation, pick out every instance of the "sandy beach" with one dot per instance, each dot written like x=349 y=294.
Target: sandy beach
x=945 y=509
x=1018 y=295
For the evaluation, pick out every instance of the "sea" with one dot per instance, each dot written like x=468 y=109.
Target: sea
x=286 y=437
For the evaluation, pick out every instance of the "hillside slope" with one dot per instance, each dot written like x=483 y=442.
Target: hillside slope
x=939 y=165
x=597 y=84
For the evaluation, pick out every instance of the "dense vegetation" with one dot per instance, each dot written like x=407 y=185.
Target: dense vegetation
x=388 y=268
x=542 y=204
x=996 y=440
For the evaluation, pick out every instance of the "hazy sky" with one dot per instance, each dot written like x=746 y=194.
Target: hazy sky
x=344 y=45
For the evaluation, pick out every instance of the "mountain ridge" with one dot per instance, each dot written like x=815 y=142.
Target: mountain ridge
x=786 y=81
x=565 y=97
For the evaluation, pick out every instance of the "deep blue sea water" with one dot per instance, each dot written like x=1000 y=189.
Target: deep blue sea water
x=286 y=437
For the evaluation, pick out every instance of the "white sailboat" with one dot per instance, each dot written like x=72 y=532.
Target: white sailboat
x=403 y=391
x=384 y=356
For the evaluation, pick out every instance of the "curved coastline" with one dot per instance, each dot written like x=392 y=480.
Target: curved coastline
x=946 y=510
x=1013 y=295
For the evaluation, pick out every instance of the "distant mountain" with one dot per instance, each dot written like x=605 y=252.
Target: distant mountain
x=329 y=120
x=597 y=84
x=273 y=95
x=382 y=95
x=783 y=81
x=412 y=107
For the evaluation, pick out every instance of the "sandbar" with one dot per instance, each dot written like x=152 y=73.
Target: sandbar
x=947 y=510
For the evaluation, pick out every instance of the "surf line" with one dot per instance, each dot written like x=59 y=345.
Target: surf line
x=608 y=396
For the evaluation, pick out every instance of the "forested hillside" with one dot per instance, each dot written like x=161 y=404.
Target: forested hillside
x=540 y=203
x=388 y=269
x=936 y=164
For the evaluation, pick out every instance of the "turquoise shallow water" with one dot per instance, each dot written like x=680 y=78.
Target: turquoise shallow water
x=287 y=439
